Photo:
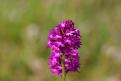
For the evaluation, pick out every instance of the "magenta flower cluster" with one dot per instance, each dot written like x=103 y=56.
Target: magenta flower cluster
x=64 y=39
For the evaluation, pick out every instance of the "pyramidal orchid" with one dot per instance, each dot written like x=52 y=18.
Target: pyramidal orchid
x=64 y=41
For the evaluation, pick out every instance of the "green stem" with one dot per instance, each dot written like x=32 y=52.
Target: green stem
x=63 y=69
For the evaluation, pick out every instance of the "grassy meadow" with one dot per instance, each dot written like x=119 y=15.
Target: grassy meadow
x=24 y=27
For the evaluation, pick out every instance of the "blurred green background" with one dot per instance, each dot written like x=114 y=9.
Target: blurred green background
x=25 y=24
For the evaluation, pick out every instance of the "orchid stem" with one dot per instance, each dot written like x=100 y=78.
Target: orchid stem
x=63 y=69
